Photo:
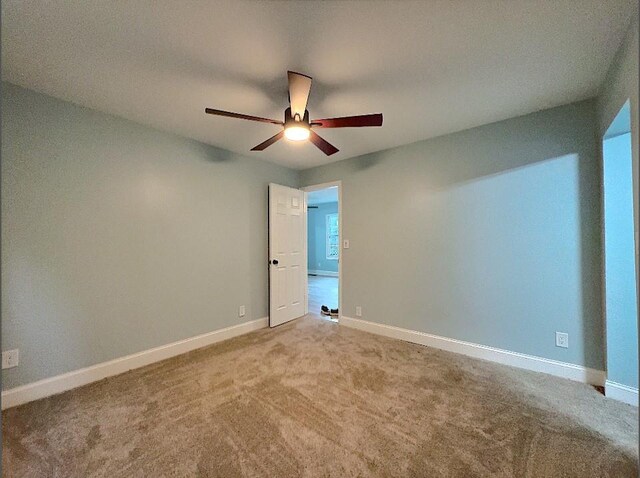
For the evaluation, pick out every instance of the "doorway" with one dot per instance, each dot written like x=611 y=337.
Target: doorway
x=324 y=239
x=619 y=261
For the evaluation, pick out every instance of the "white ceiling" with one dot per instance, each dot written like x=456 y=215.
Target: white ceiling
x=432 y=67
x=322 y=196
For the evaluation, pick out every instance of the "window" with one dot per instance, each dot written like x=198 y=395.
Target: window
x=333 y=237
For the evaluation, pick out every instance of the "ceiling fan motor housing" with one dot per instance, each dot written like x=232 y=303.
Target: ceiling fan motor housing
x=289 y=120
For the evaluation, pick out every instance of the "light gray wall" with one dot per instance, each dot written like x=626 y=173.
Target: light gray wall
x=490 y=235
x=317 y=237
x=117 y=238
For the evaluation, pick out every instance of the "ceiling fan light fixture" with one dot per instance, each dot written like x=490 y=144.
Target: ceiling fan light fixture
x=297 y=125
x=296 y=132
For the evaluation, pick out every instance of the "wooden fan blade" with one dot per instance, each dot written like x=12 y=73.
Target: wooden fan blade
x=349 y=121
x=265 y=144
x=299 y=87
x=326 y=147
x=230 y=114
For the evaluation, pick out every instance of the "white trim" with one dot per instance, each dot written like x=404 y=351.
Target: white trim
x=324 y=273
x=620 y=392
x=316 y=187
x=67 y=381
x=506 y=357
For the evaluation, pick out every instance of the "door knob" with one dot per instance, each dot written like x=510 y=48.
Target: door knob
x=275 y=262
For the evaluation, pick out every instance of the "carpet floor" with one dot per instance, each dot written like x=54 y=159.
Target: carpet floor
x=315 y=399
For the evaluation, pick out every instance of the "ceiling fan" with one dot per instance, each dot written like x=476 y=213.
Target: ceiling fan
x=296 y=124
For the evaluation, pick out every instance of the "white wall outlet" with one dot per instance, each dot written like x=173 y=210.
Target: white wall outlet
x=562 y=340
x=345 y=244
x=358 y=311
x=10 y=358
x=241 y=311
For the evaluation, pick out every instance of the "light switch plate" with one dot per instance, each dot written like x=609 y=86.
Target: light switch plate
x=345 y=244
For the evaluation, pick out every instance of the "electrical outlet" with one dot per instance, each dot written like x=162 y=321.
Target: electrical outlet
x=358 y=311
x=241 y=311
x=562 y=340
x=10 y=358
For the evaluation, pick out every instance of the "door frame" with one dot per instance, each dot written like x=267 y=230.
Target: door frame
x=317 y=187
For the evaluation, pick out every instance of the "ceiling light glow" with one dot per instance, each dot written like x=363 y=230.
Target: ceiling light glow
x=296 y=133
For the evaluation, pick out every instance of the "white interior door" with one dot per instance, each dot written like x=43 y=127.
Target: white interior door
x=287 y=254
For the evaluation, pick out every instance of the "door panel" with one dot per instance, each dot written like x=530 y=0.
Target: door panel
x=287 y=254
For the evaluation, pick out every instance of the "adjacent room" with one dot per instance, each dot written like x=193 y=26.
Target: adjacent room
x=323 y=251
x=362 y=238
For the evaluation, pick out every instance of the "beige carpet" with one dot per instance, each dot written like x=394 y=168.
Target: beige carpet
x=314 y=399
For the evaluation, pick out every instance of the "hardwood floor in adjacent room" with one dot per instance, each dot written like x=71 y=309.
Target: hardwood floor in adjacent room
x=322 y=291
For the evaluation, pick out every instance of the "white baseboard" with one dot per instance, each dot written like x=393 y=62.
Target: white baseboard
x=323 y=273
x=61 y=383
x=506 y=357
x=620 y=392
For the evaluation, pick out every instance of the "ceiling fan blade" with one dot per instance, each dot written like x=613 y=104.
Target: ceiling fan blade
x=349 y=121
x=230 y=114
x=326 y=147
x=265 y=144
x=299 y=87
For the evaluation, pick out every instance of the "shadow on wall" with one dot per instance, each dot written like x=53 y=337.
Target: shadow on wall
x=202 y=151
x=475 y=152
x=512 y=207
x=543 y=246
x=213 y=154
